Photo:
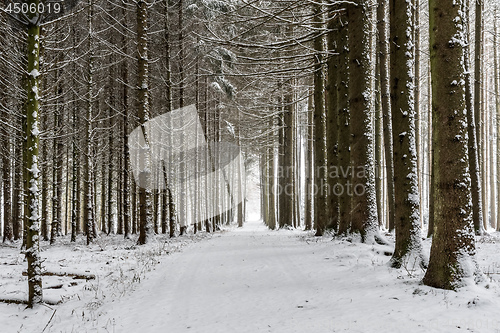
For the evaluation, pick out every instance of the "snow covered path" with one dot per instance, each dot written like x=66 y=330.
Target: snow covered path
x=242 y=281
x=248 y=280
x=255 y=280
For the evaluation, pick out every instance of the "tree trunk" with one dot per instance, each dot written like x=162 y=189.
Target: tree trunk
x=30 y=162
x=332 y=124
x=88 y=177
x=309 y=164
x=320 y=172
x=453 y=246
x=497 y=104
x=408 y=249
x=344 y=121
x=145 y=205
x=386 y=105
x=7 y=189
x=472 y=132
x=364 y=201
x=478 y=107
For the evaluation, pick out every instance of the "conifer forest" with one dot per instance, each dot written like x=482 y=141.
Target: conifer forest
x=249 y=166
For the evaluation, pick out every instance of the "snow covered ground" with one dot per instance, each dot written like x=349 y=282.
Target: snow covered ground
x=244 y=280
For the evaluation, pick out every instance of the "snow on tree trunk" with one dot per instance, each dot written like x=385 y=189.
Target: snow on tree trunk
x=476 y=186
x=344 y=120
x=364 y=202
x=452 y=259
x=408 y=249
x=320 y=172
x=386 y=105
x=332 y=124
x=30 y=162
x=88 y=177
x=497 y=103
x=145 y=204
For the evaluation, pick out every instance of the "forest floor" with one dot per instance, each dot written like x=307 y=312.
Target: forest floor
x=244 y=280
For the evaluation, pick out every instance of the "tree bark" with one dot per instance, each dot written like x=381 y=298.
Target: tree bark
x=408 y=249
x=497 y=104
x=319 y=119
x=364 y=201
x=332 y=125
x=453 y=245
x=30 y=162
x=145 y=184
x=344 y=121
x=386 y=105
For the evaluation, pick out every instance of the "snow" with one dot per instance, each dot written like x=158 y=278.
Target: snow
x=34 y=73
x=244 y=280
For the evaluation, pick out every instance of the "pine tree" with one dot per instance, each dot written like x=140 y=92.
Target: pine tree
x=408 y=248
x=145 y=184
x=320 y=172
x=30 y=163
x=344 y=121
x=364 y=202
x=453 y=247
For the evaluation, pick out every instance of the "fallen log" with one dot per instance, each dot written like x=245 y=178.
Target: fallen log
x=81 y=276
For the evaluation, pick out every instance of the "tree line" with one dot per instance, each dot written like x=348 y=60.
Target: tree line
x=354 y=120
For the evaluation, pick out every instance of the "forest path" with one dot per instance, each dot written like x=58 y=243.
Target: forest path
x=245 y=280
x=254 y=280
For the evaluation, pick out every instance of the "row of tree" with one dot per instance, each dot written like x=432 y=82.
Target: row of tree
x=376 y=151
x=334 y=100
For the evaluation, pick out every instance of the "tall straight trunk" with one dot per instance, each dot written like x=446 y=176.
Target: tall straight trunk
x=169 y=107
x=382 y=12
x=30 y=163
x=109 y=174
x=484 y=153
x=75 y=202
x=264 y=185
x=344 y=121
x=75 y=170
x=56 y=178
x=107 y=170
x=453 y=246
x=182 y=207
x=281 y=166
x=332 y=124
x=497 y=104
x=379 y=139
x=478 y=103
x=320 y=172
x=241 y=178
x=119 y=198
x=492 y=184
x=88 y=177
x=309 y=165
x=286 y=211
x=198 y=196
x=7 y=189
x=408 y=249
x=126 y=154
x=364 y=201
x=145 y=184
x=418 y=113
x=67 y=214
x=430 y=139
x=472 y=132
x=103 y=201
x=296 y=166
x=7 y=179
x=18 y=193
x=270 y=182
x=134 y=207
x=44 y=227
